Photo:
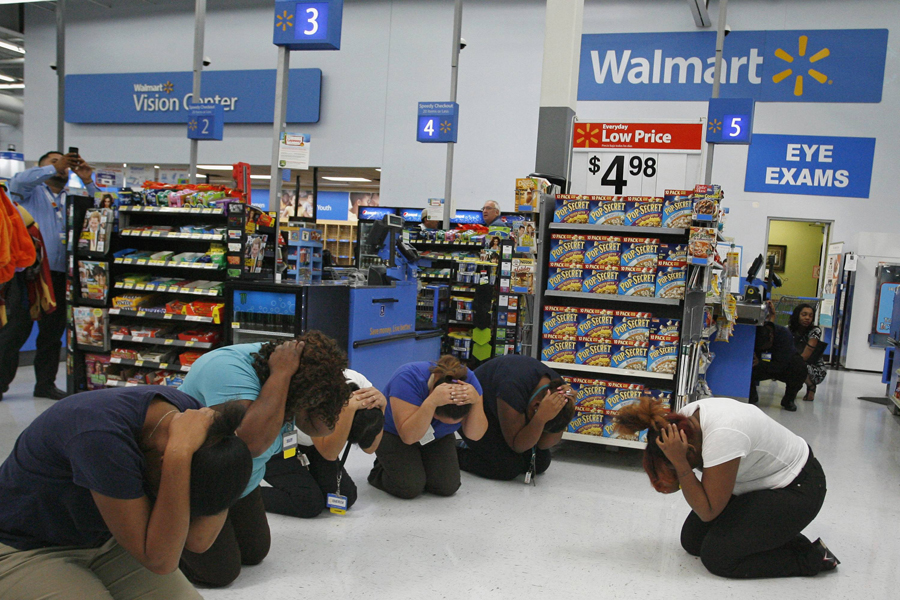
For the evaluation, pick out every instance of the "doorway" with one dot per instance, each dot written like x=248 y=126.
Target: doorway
x=799 y=247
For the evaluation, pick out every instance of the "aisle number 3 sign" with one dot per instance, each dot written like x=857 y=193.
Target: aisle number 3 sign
x=308 y=25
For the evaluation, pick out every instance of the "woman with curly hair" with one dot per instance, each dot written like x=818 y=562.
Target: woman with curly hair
x=808 y=342
x=283 y=384
x=760 y=486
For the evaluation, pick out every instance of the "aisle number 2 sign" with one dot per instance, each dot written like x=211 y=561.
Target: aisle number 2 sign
x=308 y=25
x=206 y=122
x=635 y=159
x=437 y=122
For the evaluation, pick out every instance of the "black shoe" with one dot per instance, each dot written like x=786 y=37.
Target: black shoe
x=53 y=393
x=829 y=560
x=789 y=406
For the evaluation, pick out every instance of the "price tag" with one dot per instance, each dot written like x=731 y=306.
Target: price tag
x=168 y=342
x=196 y=236
x=235 y=325
x=141 y=313
x=167 y=316
x=115 y=360
x=139 y=363
x=128 y=286
x=622 y=174
x=208 y=211
x=139 y=340
x=163 y=365
x=114 y=311
x=156 y=234
x=193 y=318
x=140 y=286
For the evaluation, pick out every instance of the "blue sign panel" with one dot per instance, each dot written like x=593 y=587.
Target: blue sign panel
x=468 y=217
x=729 y=120
x=375 y=213
x=840 y=65
x=308 y=25
x=205 y=122
x=886 y=307
x=333 y=206
x=437 y=122
x=411 y=215
x=811 y=165
x=245 y=96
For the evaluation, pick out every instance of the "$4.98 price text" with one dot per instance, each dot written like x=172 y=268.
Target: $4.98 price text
x=614 y=175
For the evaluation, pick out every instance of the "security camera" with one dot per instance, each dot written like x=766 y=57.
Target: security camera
x=462 y=43
x=53 y=66
x=207 y=61
x=727 y=29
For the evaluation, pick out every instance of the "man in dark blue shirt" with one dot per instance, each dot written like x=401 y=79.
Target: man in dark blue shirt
x=785 y=365
x=41 y=191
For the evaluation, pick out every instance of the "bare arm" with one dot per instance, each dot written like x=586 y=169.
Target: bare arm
x=155 y=534
x=475 y=424
x=811 y=344
x=411 y=421
x=264 y=418
x=520 y=435
x=203 y=531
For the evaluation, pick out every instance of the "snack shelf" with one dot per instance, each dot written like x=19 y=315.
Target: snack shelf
x=163 y=342
x=627 y=229
x=182 y=210
x=455 y=322
x=606 y=441
x=142 y=314
x=150 y=364
x=149 y=287
x=147 y=233
x=169 y=263
x=433 y=276
x=608 y=370
x=237 y=328
x=446 y=243
x=614 y=298
x=113 y=383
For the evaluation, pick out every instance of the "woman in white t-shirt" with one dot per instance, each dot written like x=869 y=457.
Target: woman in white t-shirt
x=761 y=485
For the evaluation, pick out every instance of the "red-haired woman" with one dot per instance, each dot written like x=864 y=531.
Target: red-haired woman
x=761 y=485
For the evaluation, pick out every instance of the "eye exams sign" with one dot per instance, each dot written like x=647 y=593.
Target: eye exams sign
x=810 y=165
x=245 y=96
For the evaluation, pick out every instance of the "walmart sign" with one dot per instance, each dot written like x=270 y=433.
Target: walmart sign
x=841 y=65
x=245 y=96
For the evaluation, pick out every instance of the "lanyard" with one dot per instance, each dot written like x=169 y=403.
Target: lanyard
x=340 y=472
x=530 y=476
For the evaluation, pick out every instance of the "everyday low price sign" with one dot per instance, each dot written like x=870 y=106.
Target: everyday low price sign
x=810 y=165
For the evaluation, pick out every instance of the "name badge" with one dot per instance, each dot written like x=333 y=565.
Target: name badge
x=336 y=504
x=428 y=437
x=289 y=443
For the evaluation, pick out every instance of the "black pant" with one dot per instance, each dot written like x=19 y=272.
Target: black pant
x=244 y=540
x=758 y=533
x=18 y=327
x=492 y=458
x=793 y=375
x=299 y=491
x=407 y=470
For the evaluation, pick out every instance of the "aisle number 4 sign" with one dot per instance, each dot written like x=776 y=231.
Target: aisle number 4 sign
x=635 y=159
x=437 y=122
x=308 y=25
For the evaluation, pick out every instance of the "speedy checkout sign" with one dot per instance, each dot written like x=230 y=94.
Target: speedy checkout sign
x=810 y=165
x=635 y=159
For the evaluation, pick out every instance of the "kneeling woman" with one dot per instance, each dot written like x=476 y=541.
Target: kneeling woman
x=427 y=403
x=298 y=486
x=761 y=485
x=104 y=490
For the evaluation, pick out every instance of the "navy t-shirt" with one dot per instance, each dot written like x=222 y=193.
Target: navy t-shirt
x=410 y=384
x=512 y=378
x=86 y=442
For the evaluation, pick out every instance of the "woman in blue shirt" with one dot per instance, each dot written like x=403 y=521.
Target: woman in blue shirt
x=427 y=403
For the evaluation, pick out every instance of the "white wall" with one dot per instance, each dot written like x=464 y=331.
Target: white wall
x=396 y=53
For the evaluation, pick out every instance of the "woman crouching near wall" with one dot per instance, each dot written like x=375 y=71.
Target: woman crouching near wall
x=760 y=485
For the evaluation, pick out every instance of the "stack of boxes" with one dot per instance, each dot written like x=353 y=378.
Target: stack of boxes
x=609 y=338
x=597 y=402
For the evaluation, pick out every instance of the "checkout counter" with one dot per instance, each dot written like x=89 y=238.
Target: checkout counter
x=376 y=325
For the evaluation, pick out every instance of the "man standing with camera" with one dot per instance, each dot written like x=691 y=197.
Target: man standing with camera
x=41 y=191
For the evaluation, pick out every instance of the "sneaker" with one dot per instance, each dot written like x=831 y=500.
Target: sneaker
x=829 y=560
x=789 y=406
x=53 y=393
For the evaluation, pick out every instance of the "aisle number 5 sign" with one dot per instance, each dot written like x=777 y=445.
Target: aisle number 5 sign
x=308 y=25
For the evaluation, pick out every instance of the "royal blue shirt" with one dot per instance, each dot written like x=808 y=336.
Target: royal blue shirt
x=48 y=209
x=410 y=384
x=86 y=442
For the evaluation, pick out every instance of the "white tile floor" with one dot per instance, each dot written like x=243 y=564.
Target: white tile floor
x=592 y=527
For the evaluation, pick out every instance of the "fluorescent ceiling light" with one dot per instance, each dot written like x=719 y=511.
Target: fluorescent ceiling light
x=10 y=46
x=7 y=78
x=215 y=167
x=378 y=169
x=360 y=179
x=12 y=86
x=155 y=166
x=260 y=177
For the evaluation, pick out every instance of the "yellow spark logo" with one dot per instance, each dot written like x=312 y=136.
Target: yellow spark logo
x=284 y=20
x=801 y=50
x=584 y=135
x=192 y=124
x=168 y=87
x=446 y=126
x=715 y=126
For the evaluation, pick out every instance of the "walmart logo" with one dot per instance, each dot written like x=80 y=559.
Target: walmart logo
x=842 y=65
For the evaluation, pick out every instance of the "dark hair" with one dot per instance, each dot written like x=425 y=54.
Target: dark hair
x=447 y=370
x=318 y=386
x=564 y=416
x=794 y=322
x=650 y=414
x=221 y=468
x=367 y=424
x=47 y=155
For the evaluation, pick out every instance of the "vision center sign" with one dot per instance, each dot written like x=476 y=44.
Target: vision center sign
x=245 y=96
x=810 y=165
x=842 y=65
